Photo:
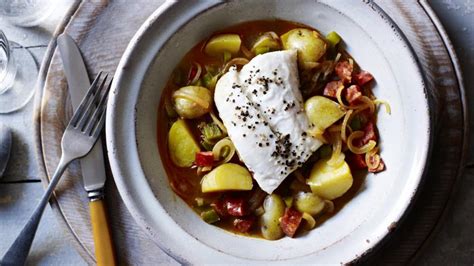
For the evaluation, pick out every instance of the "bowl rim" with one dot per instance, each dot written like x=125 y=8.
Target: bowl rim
x=112 y=141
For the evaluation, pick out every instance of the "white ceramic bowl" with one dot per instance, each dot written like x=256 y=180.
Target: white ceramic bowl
x=376 y=44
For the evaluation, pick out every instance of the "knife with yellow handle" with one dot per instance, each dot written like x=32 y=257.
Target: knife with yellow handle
x=103 y=243
x=92 y=166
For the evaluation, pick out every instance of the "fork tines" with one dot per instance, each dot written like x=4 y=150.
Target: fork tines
x=90 y=115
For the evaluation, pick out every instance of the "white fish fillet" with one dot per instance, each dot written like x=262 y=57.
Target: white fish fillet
x=262 y=109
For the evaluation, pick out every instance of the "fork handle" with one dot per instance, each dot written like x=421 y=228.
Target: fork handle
x=104 y=251
x=18 y=251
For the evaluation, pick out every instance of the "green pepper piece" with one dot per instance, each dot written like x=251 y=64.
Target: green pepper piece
x=261 y=50
x=325 y=151
x=211 y=69
x=355 y=123
x=199 y=202
x=333 y=38
x=207 y=146
x=209 y=80
x=210 y=216
x=211 y=133
x=288 y=201
x=227 y=56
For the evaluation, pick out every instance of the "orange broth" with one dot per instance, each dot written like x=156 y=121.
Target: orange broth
x=185 y=181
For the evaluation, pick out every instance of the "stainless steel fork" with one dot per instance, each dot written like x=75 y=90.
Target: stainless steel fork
x=80 y=136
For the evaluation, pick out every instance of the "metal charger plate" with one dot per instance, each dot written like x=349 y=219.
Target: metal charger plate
x=94 y=24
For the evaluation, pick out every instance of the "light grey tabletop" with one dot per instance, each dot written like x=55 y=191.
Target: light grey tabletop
x=20 y=188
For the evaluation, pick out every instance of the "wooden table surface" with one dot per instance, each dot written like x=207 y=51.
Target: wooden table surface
x=20 y=188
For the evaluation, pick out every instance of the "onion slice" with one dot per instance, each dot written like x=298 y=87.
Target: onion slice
x=359 y=150
x=370 y=104
x=345 y=121
x=334 y=128
x=388 y=109
x=235 y=61
x=197 y=75
x=318 y=134
x=372 y=159
x=273 y=35
x=337 y=157
x=218 y=122
x=330 y=69
x=223 y=151
x=246 y=52
x=339 y=97
x=310 y=222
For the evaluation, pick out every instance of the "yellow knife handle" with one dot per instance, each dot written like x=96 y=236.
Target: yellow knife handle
x=104 y=251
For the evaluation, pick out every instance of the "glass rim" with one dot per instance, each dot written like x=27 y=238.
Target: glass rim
x=4 y=43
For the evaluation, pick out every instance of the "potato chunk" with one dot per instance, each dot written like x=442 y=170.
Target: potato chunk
x=330 y=182
x=219 y=44
x=309 y=44
x=228 y=176
x=181 y=144
x=322 y=112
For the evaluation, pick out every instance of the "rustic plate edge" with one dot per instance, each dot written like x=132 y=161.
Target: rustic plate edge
x=465 y=145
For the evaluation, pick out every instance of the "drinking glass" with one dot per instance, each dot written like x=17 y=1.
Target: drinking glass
x=18 y=72
x=26 y=13
x=7 y=64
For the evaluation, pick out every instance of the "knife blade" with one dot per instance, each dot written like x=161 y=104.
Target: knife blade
x=92 y=166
